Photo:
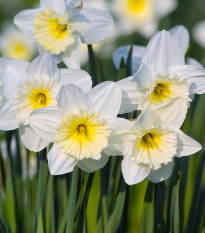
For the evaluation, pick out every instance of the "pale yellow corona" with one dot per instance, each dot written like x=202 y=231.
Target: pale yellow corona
x=82 y=135
x=154 y=147
x=136 y=5
x=164 y=89
x=52 y=31
x=33 y=94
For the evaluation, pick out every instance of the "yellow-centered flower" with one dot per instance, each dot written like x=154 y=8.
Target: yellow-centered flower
x=82 y=135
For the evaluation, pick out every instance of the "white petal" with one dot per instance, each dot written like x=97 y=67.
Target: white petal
x=8 y=120
x=173 y=112
x=60 y=163
x=25 y=20
x=3 y=62
x=79 y=78
x=71 y=57
x=164 y=7
x=148 y=119
x=45 y=121
x=91 y=165
x=195 y=75
x=133 y=173
x=93 y=25
x=106 y=98
x=58 y=6
x=120 y=136
x=182 y=35
x=186 y=145
x=43 y=65
x=162 y=52
x=123 y=51
x=130 y=95
x=14 y=71
x=32 y=140
x=193 y=62
x=72 y=99
x=162 y=173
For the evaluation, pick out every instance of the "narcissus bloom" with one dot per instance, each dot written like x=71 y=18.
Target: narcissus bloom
x=31 y=86
x=59 y=28
x=80 y=128
x=163 y=79
x=141 y=15
x=149 y=146
x=16 y=44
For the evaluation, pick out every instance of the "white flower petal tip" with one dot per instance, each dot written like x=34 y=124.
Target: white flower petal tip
x=45 y=121
x=162 y=173
x=93 y=25
x=133 y=173
x=91 y=165
x=186 y=145
x=76 y=77
x=32 y=140
x=43 y=65
x=182 y=35
x=199 y=32
x=72 y=99
x=24 y=20
x=106 y=98
x=168 y=51
x=8 y=119
x=60 y=163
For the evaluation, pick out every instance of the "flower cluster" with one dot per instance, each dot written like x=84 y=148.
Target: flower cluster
x=59 y=107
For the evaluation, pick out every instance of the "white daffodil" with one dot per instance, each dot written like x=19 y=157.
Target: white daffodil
x=59 y=28
x=32 y=86
x=80 y=128
x=199 y=33
x=149 y=146
x=179 y=31
x=16 y=44
x=141 y=15
x=163 y=79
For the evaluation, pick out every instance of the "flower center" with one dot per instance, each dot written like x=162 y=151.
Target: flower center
x=40 y=99
x=161 y=92
x=136 y=6
x=82 y=135
x=33 y=94
x=150 y=140
x=82 y=129
x=52 y=31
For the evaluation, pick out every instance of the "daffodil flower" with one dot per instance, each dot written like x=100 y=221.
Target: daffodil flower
x=199 y=33
x=141 y=15
x=31 y=86
x=149 y=146
x=59 y=28
x=163 y=79
x=80 y=127
x=16 y=44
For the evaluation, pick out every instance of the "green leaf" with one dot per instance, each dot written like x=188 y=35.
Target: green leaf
x=49 y=213
x=72 y=202
x=148 y=213
x=114 y=220
x=174 y=216
x=42 y=182
x=92 y=64
x=40 y=223
x=10 y=211
x=3 y=222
